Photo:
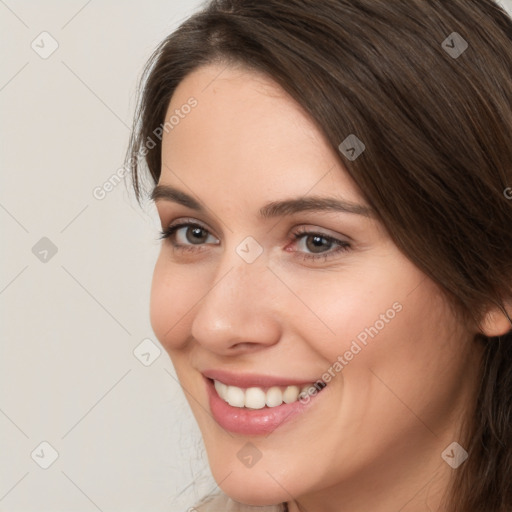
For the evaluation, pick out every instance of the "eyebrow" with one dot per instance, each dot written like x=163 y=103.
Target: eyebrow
x=164 y=192
x=317 y=204
x=273 y=209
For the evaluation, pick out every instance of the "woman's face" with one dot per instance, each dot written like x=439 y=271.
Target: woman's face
x=277 y=274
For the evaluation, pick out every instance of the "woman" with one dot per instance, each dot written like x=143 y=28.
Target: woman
x=334 y=284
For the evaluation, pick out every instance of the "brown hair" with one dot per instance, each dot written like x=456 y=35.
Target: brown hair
x=437 y=125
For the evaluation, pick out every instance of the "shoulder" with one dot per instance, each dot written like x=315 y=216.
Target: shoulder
x=223 y=503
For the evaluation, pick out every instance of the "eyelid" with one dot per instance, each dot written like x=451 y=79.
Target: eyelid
x=190 y=221
x=186 y=220
x=310 y=229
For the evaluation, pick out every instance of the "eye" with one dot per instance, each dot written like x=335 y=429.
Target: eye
x=192 y=234
x=313 y=245
x=187 y=234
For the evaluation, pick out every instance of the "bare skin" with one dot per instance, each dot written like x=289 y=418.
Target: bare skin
x=373 y=438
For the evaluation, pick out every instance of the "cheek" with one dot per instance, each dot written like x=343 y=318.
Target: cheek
x=174 y=291
x=351 y=309
x=394 y=320
x=402 y=351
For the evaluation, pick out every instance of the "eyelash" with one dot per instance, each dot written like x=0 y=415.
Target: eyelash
x=301 y=233
x=338 y=246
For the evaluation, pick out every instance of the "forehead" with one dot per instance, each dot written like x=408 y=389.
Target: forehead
x=246 y=135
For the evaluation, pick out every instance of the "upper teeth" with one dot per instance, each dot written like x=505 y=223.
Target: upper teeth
x=257 y=398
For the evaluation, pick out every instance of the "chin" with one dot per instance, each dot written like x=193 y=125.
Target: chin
x=251 y=486
x=246 y=491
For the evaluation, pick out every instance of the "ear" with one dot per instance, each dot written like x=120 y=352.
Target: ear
x=496 y=321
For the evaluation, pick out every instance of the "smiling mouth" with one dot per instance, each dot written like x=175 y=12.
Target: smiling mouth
x=259 y=397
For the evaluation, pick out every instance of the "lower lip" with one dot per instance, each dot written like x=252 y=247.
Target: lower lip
x=241 y=420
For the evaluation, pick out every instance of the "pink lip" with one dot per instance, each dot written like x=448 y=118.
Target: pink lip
x=252 y=380
x=252 y=422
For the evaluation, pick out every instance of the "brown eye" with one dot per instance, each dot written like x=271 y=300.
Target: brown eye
x=318 y=243
x=189 y=234
x=311 y=245
x=196 y=235
x=193 y=234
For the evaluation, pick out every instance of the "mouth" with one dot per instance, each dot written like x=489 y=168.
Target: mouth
x=260 y=397
x=257 y=405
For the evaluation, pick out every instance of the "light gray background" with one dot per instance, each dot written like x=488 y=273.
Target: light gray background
x=124 y=435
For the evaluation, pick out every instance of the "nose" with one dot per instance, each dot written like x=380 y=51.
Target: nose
x=240 y=312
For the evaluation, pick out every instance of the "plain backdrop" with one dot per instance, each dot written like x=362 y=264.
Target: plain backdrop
x=91 y=415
